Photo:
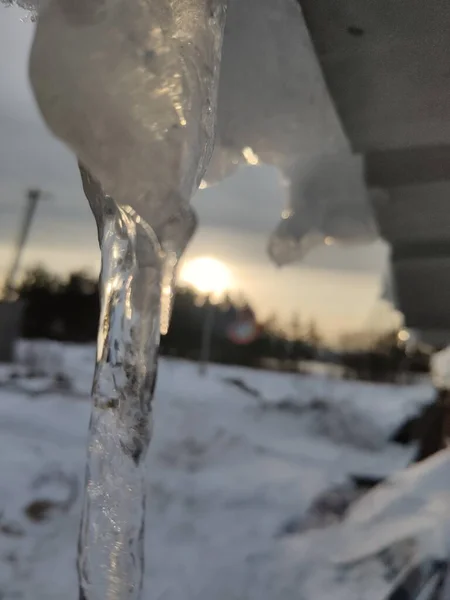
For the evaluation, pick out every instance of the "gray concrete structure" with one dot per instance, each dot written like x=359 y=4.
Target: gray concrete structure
x=387 y=66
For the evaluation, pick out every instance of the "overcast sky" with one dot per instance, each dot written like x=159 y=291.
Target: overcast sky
x=338 y=287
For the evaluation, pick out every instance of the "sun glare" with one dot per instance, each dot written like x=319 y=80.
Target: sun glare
x=207 y=275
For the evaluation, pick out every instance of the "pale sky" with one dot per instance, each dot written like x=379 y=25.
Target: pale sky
x=338 y=287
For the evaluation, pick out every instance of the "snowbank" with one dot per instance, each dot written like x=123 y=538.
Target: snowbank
x=226 y=472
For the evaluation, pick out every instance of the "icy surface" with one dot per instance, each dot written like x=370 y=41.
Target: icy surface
x=131 y=87
x=137 y=278
x=274 y=108
x=411 y=509
x=225 y=474
x=111 y=544
x=143 y=117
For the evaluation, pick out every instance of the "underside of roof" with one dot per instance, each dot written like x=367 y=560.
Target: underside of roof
x=387 y=67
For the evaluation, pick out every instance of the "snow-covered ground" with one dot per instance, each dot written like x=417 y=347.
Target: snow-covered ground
x=237 y=460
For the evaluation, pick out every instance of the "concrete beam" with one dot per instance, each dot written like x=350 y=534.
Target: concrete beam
x=407 y=166
x=387 y=67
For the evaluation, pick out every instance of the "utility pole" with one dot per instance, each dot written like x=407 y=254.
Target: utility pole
x=10 y=309
x=207 y=331
x=33 y=197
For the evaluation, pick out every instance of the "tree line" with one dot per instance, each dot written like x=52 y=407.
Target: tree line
x=67 y=310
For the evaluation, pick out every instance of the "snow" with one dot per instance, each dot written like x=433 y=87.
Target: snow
x=410 y=509
x=227 y=471
x=440 y=369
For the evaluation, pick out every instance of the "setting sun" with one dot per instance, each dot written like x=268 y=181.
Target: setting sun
x=207 y=275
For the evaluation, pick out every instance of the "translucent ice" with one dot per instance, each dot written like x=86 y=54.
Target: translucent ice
x=328 y=202
x=131 y=87
x=111 y=552
x=274 y=108
x=170 y=237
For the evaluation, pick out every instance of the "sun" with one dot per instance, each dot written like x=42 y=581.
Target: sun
x=207 y=275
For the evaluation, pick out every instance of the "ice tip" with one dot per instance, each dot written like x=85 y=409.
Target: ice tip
x=292 y=241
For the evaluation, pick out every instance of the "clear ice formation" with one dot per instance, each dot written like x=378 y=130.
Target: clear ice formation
x=274 y=101
x=328 y=203
x=134 y=265
x=136 y=283
x=111 y=552
x=274 y=108
x=131 y=87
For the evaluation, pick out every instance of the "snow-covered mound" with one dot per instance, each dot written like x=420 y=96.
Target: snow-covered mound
x=397 y=536
x=359 y=414
x=227 y=471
